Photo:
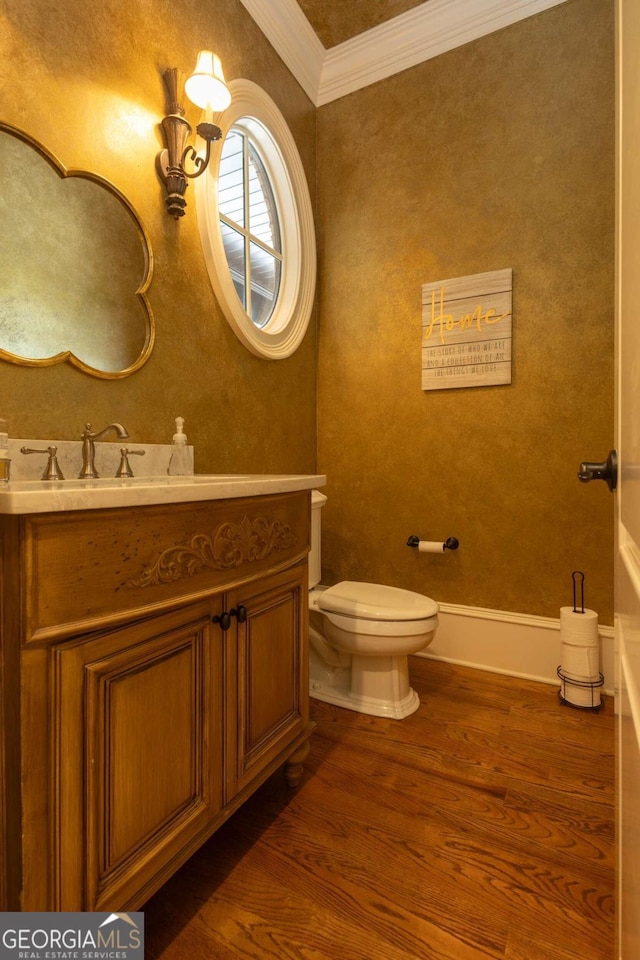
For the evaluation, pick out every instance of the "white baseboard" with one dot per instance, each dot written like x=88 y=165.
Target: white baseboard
x=511 y=643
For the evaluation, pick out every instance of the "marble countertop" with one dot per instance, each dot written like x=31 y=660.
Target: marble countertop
x=40 y=496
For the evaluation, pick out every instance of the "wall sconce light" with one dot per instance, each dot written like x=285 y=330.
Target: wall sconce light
x=207 y=89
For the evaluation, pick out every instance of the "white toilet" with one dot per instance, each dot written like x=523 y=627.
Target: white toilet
x=360 y=637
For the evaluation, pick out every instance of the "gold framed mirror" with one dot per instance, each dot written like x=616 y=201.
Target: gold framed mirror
x=77 y=264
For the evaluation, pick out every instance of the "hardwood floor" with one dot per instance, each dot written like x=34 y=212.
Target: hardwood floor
x=481 y=826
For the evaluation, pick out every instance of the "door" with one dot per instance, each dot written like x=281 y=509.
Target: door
x=627 y=572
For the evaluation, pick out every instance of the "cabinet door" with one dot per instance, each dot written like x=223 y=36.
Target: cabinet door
x=139 y=746
x=271 y=684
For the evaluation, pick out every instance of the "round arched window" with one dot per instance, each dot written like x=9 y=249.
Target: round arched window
x=256 y=226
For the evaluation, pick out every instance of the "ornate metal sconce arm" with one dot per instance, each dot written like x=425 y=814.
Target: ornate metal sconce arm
x=209 y=132
x=172 y=160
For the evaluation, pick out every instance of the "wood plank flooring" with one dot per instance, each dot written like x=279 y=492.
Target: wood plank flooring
x=480 y=827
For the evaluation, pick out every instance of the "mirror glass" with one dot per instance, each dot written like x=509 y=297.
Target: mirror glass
x=76 y=265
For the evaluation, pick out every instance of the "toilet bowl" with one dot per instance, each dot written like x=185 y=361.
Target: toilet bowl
x=360 y=637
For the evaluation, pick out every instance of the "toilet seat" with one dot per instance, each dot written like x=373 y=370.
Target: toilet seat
x=376 y=602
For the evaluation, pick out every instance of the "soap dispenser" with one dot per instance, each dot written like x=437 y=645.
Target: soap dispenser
x=180 y=461
x=5 y=462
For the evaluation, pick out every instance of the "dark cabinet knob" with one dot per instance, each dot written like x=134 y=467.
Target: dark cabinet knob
x=224 y=620
x=240 y=612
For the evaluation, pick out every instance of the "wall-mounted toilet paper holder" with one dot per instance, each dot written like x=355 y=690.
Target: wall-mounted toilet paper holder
x=451 y=543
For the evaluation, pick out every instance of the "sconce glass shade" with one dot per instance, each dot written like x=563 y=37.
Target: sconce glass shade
x=206 y=87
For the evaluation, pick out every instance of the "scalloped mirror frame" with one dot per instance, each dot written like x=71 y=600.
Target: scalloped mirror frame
x=140 y=293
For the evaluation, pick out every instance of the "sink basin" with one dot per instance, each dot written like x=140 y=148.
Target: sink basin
x=41 y=496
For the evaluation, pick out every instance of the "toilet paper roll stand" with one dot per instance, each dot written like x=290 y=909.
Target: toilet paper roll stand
x=578 y=585
x=566 y=680
x=590 y=685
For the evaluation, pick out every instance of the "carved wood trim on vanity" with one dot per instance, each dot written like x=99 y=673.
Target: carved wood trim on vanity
x=230 y=545
x=80 y=576
x=133 y=725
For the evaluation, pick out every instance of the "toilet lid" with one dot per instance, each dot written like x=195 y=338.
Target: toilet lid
x=373 y=601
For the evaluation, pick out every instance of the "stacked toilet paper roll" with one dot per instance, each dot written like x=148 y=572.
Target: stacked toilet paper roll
x=580 y=657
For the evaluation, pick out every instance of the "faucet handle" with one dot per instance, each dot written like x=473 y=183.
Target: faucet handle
x=124 y=470
x=52 y=471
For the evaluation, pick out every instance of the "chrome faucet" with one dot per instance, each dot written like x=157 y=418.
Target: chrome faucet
x=88 y=438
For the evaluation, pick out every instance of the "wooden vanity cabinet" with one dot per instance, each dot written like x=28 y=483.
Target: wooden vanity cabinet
x=154 y=673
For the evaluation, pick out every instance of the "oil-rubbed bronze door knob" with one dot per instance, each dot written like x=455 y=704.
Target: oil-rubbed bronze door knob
x=607 y=471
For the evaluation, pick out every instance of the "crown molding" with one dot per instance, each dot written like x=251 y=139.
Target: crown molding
x=293 y=38
x=426 y=31
x=413 y=37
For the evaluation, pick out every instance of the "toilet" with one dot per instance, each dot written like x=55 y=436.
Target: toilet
x=360 y=637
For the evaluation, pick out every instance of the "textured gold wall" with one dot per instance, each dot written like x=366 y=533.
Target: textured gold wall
x=498 y=154
x=338 y=21
x=84 y=77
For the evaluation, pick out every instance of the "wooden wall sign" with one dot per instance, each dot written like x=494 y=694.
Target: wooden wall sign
x=466 y=331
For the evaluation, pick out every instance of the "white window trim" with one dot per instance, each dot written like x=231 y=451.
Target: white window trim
x=251 y=107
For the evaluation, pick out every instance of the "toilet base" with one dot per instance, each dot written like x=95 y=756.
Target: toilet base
x=378 y=686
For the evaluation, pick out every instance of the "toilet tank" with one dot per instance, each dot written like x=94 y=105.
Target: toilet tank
x=318 y=501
